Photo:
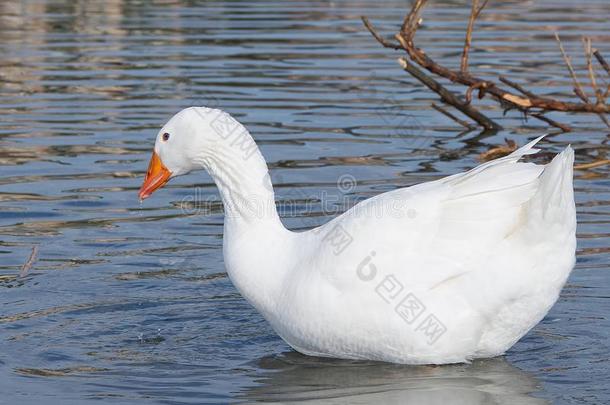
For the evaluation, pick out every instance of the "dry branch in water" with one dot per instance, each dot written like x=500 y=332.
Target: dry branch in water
x=517 y=97
x=498 y=151
x=592 y=165
x=451 y=116
x=447 y=96
x=30 y=262
x=602 y=61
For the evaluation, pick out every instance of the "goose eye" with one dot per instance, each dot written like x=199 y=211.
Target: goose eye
x=165 y=136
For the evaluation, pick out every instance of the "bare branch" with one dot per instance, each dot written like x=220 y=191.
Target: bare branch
x=519 y=102
x=515 y=97
x=516 y=86
x=451 y=116
x=377 y=36
x=481 y=86
x=499 y=151
x=474 y=14
x=599 y=96
x=601 y=61
x=447 y=96
x=598 y=163
x=552 y=122
x=412 y=20
x=577 y=87
x=592 y=79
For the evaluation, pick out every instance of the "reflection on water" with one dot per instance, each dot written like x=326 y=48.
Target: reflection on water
x=292 y=377
x=130 y=303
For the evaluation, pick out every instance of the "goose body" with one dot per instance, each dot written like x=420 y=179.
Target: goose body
x=440 y=272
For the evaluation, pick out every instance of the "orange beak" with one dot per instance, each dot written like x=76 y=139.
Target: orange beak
x=156 y=177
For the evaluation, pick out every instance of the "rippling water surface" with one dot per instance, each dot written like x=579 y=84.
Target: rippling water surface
x=130 y=303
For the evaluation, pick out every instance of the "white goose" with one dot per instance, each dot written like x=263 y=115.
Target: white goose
x=441 y=272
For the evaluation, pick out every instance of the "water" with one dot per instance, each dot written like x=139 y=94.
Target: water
x=129 y=303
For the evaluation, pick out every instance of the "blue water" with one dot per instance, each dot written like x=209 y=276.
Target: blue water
x=129 y=303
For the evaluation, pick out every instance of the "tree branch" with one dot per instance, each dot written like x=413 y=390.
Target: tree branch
x=474 y=14
x=523 y=99
x=552 y=122
x=377 y=36
x=516 y=86
x=451 y=116
x=447 y=96
x=602 y=61
x=568 y=61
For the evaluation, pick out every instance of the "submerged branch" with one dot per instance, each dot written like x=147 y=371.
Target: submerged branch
x=30 y=262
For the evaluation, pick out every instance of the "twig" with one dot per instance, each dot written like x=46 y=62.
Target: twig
x=577 y=87
x=451 y=116
x=412 y=20
x=552 y=122
x=378 y=37
x=30 y=262
x=498 y=151
x=474 y=14
x=448 y=96
x=481 y=86
x=602 y=61
x=606 y=67
x=589 y=58
x=585 y=166
x=537 y=115
x=598 y=94
x=516 y=86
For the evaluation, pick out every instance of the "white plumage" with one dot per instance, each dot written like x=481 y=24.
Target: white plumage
x=440 y=272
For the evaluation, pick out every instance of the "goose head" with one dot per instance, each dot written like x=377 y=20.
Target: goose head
x=180 y=147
